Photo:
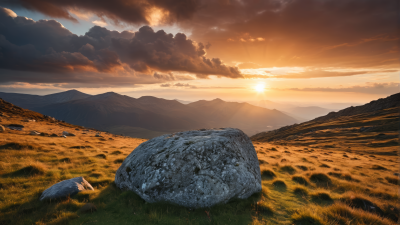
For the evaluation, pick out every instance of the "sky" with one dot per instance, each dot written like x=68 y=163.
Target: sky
x=297 y=51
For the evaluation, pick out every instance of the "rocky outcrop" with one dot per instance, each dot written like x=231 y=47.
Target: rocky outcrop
x=66 y=188
x=194 y=169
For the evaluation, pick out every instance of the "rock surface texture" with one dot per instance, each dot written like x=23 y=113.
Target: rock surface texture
x=66 y=188
x=194 y=169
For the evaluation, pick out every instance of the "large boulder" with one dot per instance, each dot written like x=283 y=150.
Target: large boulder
x=194 y=169
x=66 y=188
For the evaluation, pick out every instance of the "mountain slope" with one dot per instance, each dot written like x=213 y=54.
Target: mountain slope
x=34 y=101
x=375 y=124
x=249 y=118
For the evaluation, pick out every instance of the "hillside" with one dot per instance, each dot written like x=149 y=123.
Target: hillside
x=121 y=114
x=374 y=125
x=300 y=184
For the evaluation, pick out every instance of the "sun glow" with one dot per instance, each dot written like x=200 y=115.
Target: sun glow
x=260 y=87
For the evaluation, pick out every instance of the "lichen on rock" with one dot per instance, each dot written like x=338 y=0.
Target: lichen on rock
x=194 y=169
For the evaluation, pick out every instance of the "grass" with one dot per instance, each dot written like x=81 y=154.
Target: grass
x=322 y=198
x=393 y=180
x=307 y=217
x=268 y=174
x=300 y=180
x=288 y=169
x=299 y=192
x=320 y=178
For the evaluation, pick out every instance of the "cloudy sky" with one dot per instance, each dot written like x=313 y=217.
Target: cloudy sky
x=280 y=50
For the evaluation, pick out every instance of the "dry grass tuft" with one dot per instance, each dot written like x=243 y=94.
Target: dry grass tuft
x=378 y=167
x=279 y=184
x=264 y=207
x=321 y=197
x=324 y=165
x=289 y=169
x=307 y=216
x=103 y=156
x=31 y=170
x=362 y=202
x=300 y=190
x=320 y=178
x=345 y=214
x=393 y=180
x=116 y=152
x=300 y=179
x=304 y=168
x=268 y=174
x=19 y=146
x=118 y=161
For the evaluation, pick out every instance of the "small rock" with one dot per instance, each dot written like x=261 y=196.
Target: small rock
x=66 y=188
x=2 y=129
x=34 y=132
x=65 y=133
x=98 y=135
x=53 y=135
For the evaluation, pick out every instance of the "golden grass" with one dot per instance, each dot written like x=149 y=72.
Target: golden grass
x=296 y=191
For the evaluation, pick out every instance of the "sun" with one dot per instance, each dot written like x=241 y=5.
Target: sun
x=259 y=87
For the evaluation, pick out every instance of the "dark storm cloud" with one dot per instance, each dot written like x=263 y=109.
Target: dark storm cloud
x=56 y=55
x=338 y=33
x=130 y=11
x=322 y=33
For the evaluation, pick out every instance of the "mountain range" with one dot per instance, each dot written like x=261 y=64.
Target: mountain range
x=148 y=116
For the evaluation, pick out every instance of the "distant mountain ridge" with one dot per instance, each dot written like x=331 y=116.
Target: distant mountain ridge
x=115 y=112
x=33 y=101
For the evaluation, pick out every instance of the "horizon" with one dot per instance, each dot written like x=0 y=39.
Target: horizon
x=295 y=104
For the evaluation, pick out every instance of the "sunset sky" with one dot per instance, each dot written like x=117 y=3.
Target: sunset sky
x=305 y=51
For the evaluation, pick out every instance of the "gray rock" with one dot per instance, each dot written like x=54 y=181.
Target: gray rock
x=194 y=169
x=34 y=132
x=66 y=188
x=65 y=133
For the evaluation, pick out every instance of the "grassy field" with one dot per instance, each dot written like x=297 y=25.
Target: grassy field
x=301 y=184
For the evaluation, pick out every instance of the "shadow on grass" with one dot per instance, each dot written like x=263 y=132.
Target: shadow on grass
x=116 y=206
x=31 y=170
x=322 y=198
